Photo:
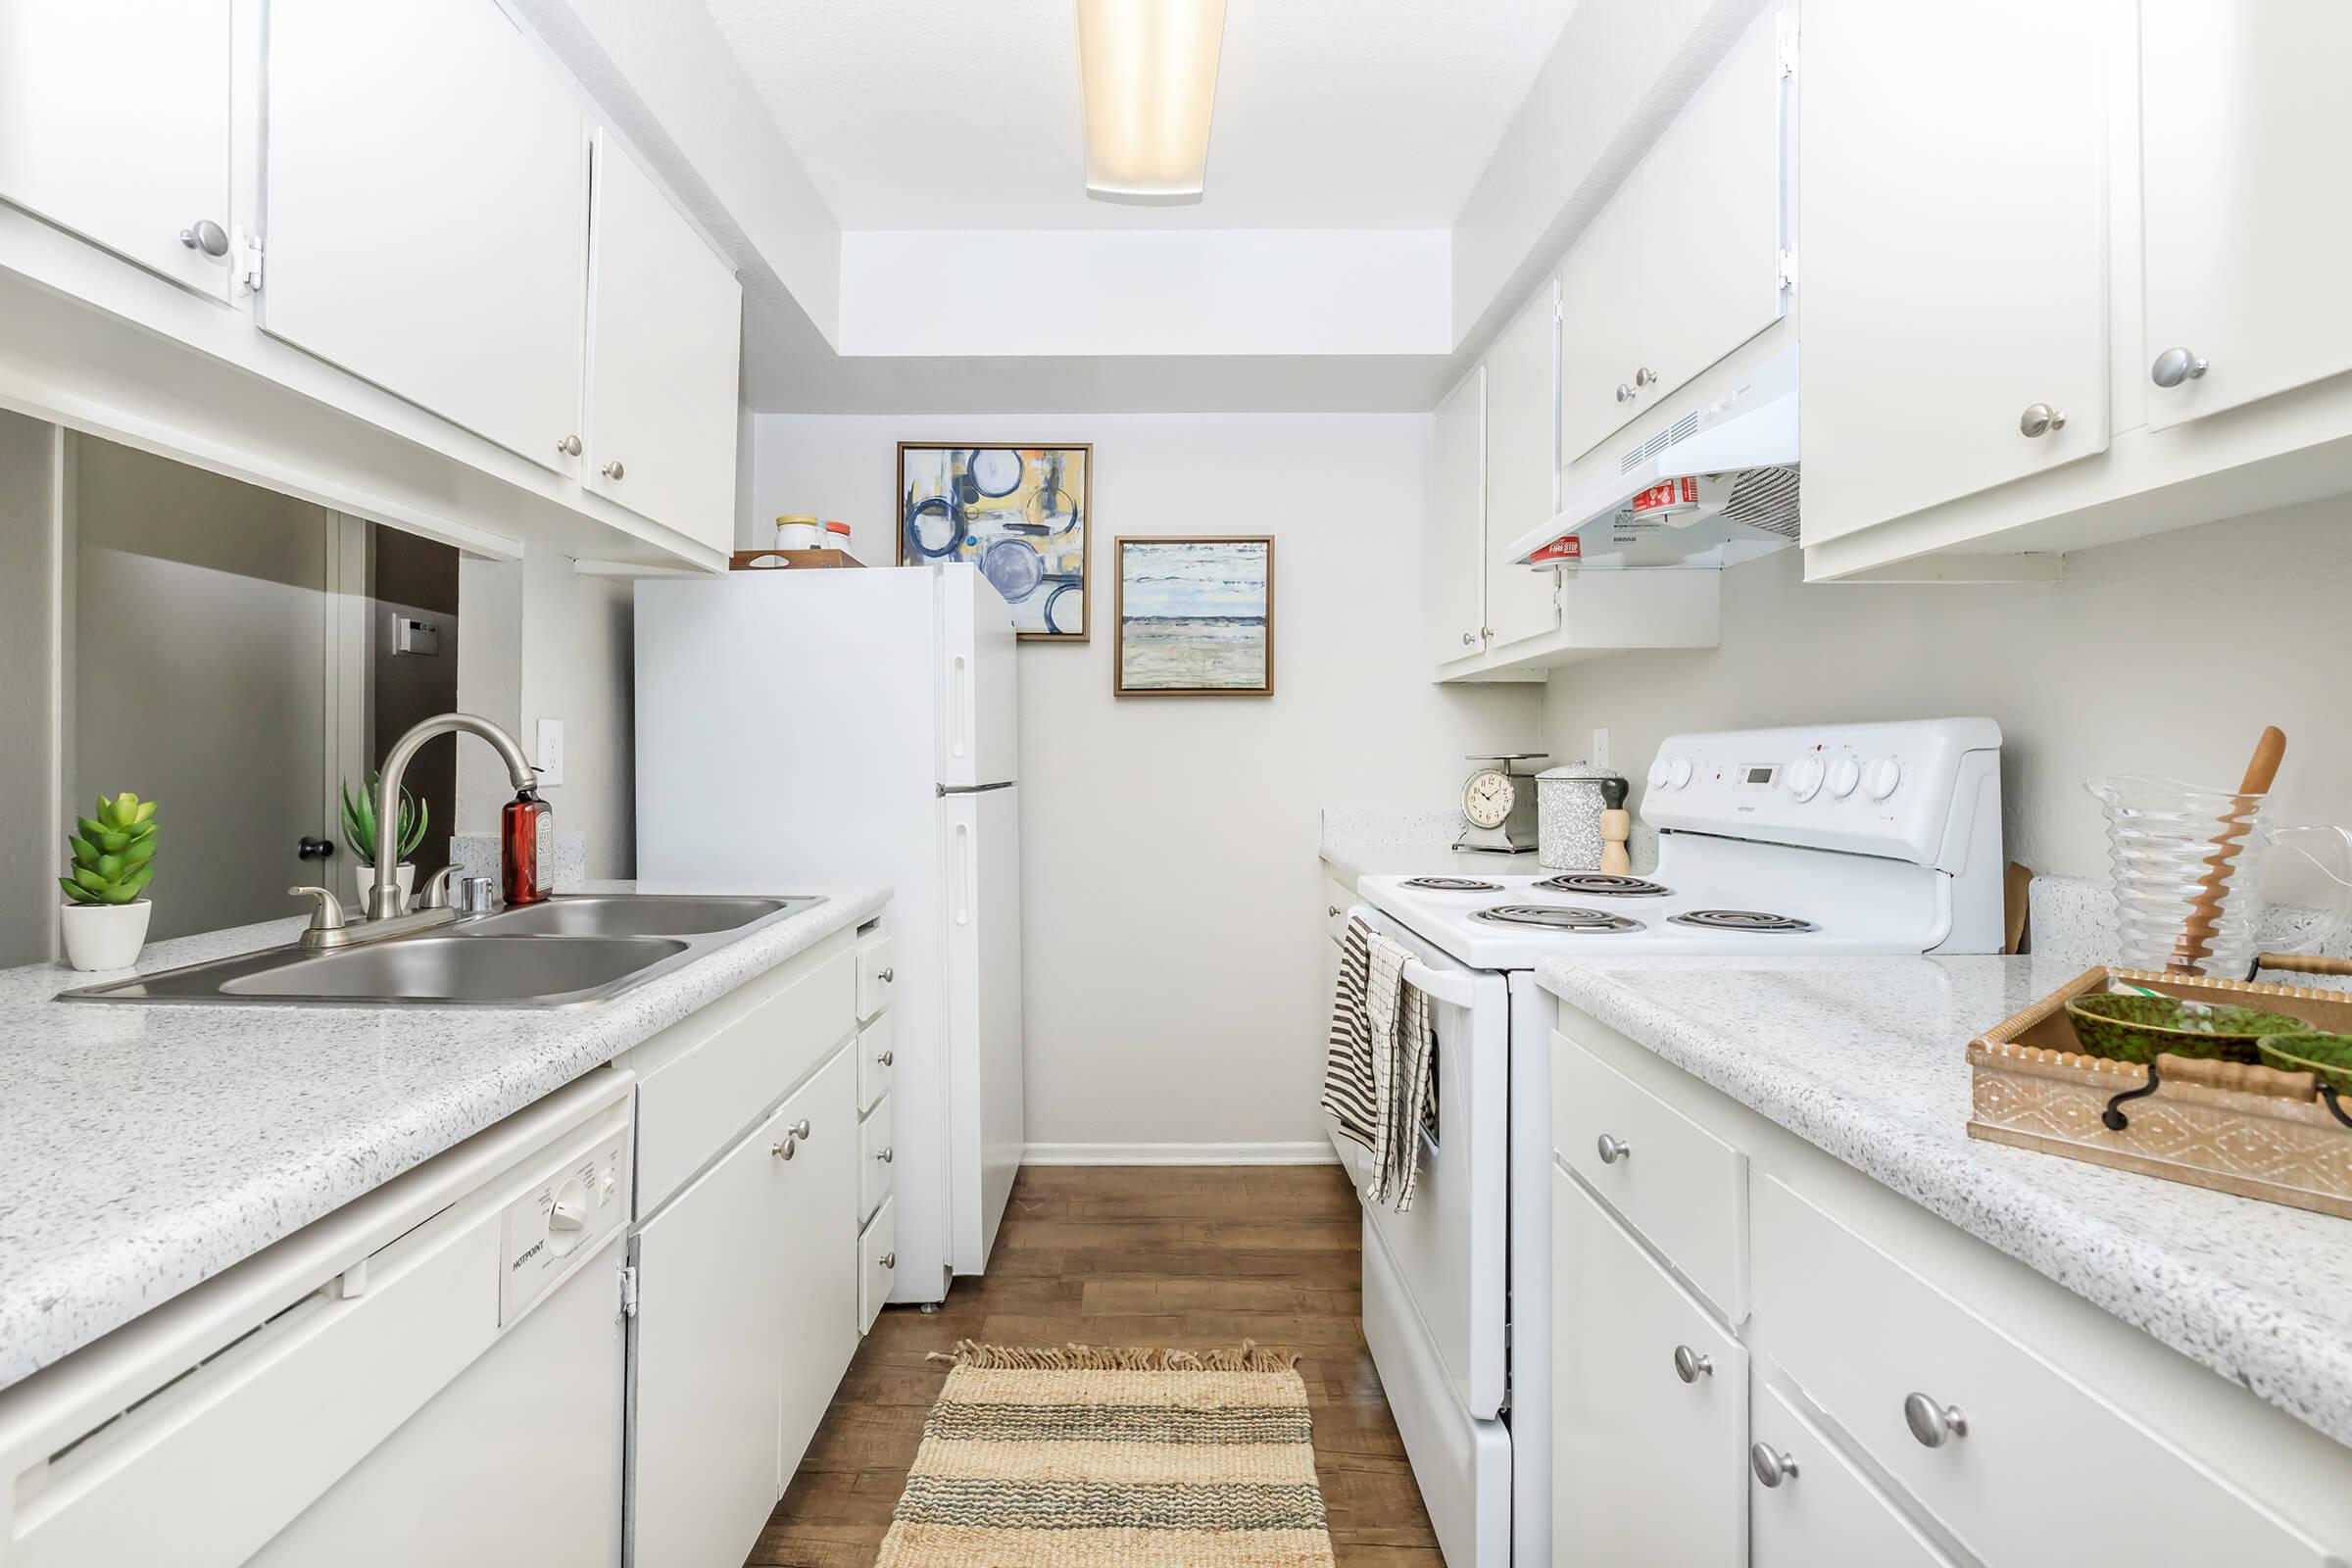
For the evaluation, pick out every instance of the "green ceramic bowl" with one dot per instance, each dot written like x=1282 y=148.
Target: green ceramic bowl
x=2131 y=1027
x=2327 y=1056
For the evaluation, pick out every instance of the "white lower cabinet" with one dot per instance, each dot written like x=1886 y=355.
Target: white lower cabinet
x=1811 y=1508
x=748 y=1290
x=1649 y=1403
x=877 y=1259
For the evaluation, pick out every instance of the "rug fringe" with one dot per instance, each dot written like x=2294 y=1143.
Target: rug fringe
x=1109 y=1358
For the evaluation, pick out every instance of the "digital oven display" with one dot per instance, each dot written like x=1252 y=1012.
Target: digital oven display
x=1759 y=777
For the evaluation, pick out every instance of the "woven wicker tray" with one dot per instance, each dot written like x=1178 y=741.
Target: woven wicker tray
x=2229 y=1126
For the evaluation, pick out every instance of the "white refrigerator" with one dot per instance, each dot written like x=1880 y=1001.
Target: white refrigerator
x=800 y=726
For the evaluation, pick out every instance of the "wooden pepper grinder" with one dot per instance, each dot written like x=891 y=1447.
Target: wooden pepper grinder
x=1616 y=824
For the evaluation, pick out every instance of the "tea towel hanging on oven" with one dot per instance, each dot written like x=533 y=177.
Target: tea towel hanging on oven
x=1378 y=1070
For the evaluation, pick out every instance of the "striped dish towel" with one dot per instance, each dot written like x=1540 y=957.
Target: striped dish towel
x=1378 y=1067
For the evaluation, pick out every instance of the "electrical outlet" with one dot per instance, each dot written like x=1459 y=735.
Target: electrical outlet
x=1600 y=746
x=551 y=750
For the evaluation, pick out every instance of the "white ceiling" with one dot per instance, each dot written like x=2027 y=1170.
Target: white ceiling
x=1330 y=114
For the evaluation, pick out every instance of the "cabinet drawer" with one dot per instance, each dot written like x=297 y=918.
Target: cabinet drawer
x=877 y=1259
x=1822 y=1512
x=1338 y=897
x=1863 y=1335
x=875 y=976
x=1646 y=1463
x=875 y=1160
x=1679 y=1184
x=877 y=1062
x=692 y=1103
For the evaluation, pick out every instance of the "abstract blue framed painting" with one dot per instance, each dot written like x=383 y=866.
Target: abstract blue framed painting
x=1196 y=617
x=1022 y=515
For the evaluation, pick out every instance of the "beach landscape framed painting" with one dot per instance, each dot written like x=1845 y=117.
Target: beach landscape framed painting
x=1195 y=617
x=1023 y=514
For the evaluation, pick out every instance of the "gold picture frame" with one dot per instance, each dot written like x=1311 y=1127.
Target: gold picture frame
x=1198 y=624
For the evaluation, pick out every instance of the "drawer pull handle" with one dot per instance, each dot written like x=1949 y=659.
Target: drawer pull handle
x=888 y=1058
x=1771 y=1465
x=884 y=1157
x=1690 y=1365
x=1332 y=910
x=886 y=976
x=785 y=1148
x=890 y=1260
x=1613 y=1150
x=1933 y=1424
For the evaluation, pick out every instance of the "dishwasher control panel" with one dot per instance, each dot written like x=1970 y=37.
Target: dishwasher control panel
x=563 y=1217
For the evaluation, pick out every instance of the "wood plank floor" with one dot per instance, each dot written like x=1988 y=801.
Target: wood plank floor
x=1188 y=1257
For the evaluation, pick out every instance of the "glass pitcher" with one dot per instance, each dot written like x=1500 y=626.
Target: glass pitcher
x=2172 y=843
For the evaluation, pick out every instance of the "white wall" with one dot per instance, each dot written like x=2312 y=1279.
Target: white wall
x=33 y=839
x=2162 y=656
x=1171 y=896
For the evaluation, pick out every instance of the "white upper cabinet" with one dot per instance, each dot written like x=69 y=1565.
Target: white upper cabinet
x=1683 y=265
x=1953 y=235
x=664 y=339
x=427 y=187
x=1454 y=585
x=115 y=124
x=1523 y=462
x=2246 y=162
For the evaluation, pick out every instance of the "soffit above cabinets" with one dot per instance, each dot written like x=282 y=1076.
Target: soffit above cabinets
x=912 y=114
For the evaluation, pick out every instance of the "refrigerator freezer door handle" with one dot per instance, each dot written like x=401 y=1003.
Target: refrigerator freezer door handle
x=964 y=874
x=960 y=706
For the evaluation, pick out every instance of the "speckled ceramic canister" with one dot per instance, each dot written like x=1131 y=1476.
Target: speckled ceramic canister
x=1568 y=807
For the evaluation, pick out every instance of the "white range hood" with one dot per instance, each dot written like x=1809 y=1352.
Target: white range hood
x=1714 y=488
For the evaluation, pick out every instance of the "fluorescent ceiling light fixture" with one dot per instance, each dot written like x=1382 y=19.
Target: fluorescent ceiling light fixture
x=1148 y=70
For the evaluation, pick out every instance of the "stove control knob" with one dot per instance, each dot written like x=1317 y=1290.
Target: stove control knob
x=567 y=1215
x=1679 y=772
x=1883 y=778
x=1659 y=771
x=1845 y=775
x=1802 y=776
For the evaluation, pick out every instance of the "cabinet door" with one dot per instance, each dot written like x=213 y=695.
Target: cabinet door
x=428 y=212
x=815 y=1223
x=1522 y=467
x=1954 y=251
x=664 y=341
x=1453 y=566
x=709 y=1355
x=2246 y=161
x=1645 y=1467
x=113 y=122
x=1682 y=265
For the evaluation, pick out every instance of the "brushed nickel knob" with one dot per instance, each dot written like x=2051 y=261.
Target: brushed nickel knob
x=888 y=1057
x=799 y=1129
x=890 y=1260
x=1645 y=376
x=785 y=1148
x=1624 y=394
x=1933 y=1424
x=1690 y=1365
x=613 y=470
x=887 y=976
x=1332 y=910
x=570 y=445
x=2038 y=420
x=207 y=236
x=1469 y=639
x=1771 y=1465
x=2176 y=365
x=884 y=1157
x=1613 y=1150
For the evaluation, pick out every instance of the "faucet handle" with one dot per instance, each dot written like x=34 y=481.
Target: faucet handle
x=326 y=911
x=434 y=894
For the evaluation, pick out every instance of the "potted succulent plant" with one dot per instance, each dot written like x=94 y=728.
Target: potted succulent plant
x=105 y=919
x=360 y=830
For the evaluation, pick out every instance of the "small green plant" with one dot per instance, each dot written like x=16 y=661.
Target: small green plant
x=359 y=822
x=114 y=852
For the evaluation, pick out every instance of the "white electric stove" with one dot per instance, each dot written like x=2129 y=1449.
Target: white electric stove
x=1880 y=837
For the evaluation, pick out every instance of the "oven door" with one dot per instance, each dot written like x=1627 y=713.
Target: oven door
x=1447 y=1253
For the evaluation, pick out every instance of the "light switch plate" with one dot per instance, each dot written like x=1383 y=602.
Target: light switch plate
x=550 y=757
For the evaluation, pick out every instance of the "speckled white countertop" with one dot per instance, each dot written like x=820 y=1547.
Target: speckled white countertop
x=1864 y=1058
x=149 y=1148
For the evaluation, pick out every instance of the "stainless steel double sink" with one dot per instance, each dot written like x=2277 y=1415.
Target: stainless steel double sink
x=565 y=953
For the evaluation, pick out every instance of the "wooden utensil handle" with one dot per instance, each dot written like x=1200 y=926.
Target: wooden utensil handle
x=2303 y=964
x=2205 y=909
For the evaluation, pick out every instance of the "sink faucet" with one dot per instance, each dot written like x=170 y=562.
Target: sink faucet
x=383 y=897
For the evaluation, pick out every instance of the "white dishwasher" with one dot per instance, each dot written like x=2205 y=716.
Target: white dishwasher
x=432 y=1374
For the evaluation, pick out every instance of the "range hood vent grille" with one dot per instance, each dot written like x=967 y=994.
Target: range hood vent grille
x=1766 y=499
x=1681 y=430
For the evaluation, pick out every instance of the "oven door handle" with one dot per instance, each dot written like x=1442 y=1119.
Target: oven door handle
x=1452 y=989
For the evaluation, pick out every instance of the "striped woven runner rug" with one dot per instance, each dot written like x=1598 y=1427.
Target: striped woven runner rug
x=1078 y=1457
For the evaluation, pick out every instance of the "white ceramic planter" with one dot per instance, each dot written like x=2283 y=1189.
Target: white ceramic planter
x=105 y=935
x=364 y=877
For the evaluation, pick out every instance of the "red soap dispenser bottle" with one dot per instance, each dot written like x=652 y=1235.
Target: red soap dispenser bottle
x=526 y=845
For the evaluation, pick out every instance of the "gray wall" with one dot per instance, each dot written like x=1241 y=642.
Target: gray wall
x=2161 y=656
x=32 y=853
